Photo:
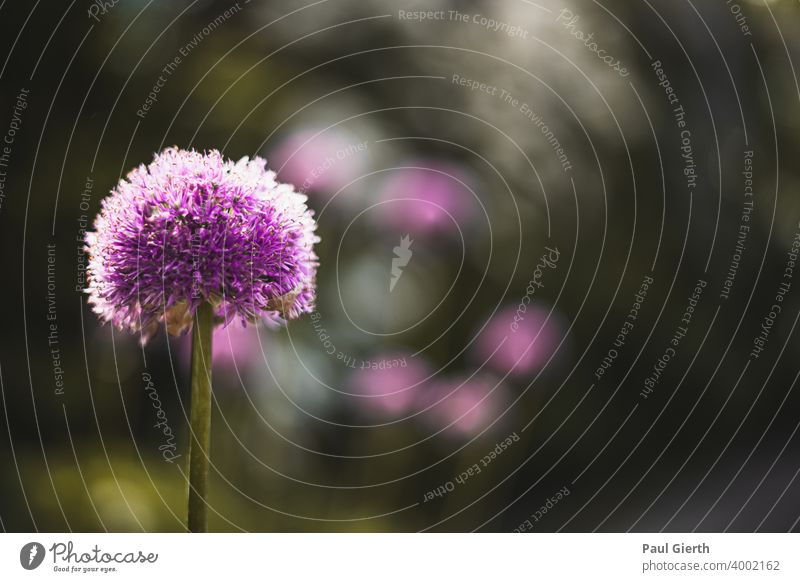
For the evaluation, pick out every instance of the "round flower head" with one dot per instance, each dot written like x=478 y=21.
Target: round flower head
x=193 y=227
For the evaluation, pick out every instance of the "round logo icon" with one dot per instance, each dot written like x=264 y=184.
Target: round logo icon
x=31 y=555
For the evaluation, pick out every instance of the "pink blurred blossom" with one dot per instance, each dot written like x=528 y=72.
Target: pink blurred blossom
x=232 y=347
x=527 y=346
x=235 y=344
x=321 y=163
x=426 y=197
x=465 y=405
x=391 y=383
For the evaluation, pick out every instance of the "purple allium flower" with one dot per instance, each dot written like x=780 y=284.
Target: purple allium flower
x=193 y=227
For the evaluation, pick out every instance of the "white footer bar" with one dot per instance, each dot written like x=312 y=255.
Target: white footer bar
x=401 y=557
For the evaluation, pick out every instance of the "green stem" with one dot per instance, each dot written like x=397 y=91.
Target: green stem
x=200 y=422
